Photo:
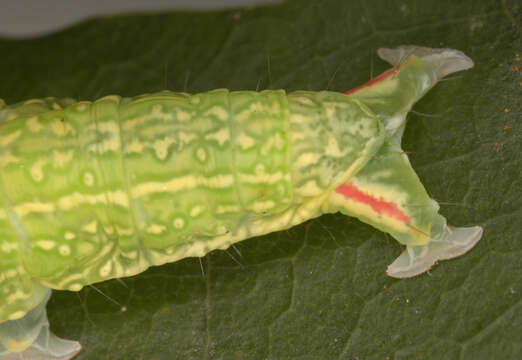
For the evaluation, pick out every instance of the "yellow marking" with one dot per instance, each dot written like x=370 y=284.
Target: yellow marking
x=222 y=209
x=8 y=139
x=8 y=247
x=309 y=189
x=201 y=154
x=219 y=112
x=156 y=229
x=91 y=227
x=162 y=147
x=195 y=99
x=124 y=232
x=56 y=106
x=45 y=244
x=332 y=149
x=75 y=287
x=88 y=179
x=61 y=128
x=34 y=207
x=245 y=141
x=182 y=115
x=117 y=197
x=260 y=206
x=37 y=171
x=105 y=270
x=185 y=138
x=135 y=147
x=61 y=158
x=109 y=230
x=178 y=223
x=275 y=140
x=69 y=235
x=22 y=344
x=17 y=295
x=221 y=136
x=298 y=119
x=182 y=183
x=33 y=125
x=307 y=159
x=221 y=230
x=64 y=250
x=105 y=146
x=298 y=136
x=157 y=113
x=8 y=158
x=196 y=210
x=261 y=178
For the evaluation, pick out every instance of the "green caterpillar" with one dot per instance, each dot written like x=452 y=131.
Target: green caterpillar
x=97 y=190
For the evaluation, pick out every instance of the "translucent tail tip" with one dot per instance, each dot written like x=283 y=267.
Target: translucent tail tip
x=444 y=61
x=416 y=260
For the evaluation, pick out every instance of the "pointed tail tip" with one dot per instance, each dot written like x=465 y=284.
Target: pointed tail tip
x=444 y=61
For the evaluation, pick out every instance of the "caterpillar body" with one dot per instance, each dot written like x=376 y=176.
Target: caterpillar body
x=98 y=190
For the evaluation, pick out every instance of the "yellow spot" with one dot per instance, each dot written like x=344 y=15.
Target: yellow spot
x=185 y=138
x=310 y=189
x=61 y=158
x=156 y=229
x=201 y=154
x=64 y=250
x=260 y=206
x=157 y=113
x=118 y=197
x=8 y=247
x=221 y=136
x=135 y=147
x=109 y=230
x=506 y=110
x=8 y=158
x=37 y=170
x=91 y=227
x=195 y=99
x=307 y=159
x=245 y=141
x=162 y=147
x=33 y=125
x=8 y=139
x=261 y=178
x=75 y=287
x=219 y=112
x=34 y=207
x=45 y=244
x=14 y=316
x=69 y=235
x=182 y=115
x=105 y=270
x=88 y=179
x=124 y=232
x=332 y=149
x=60 y=128
x=56 y=106
x=196 y=210
x=178 y=223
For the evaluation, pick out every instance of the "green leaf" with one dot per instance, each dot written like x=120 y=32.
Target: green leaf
x=319 y=290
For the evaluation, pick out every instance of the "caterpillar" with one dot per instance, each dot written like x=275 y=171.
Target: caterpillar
x=97 y=190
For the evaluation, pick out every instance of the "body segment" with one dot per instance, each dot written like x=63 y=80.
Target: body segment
x=93 y=191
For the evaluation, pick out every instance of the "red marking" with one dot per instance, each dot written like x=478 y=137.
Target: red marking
x=380 y=206
x=373 y=81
